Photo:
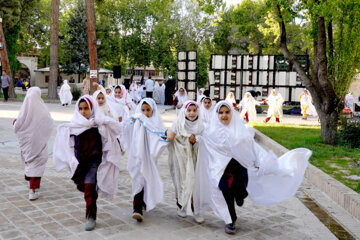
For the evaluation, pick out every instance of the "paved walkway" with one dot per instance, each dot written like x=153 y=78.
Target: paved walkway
x=59 y=212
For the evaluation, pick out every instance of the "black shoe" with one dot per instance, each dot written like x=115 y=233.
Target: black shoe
x=239 y=201
x=138 y=216
x=230 y=229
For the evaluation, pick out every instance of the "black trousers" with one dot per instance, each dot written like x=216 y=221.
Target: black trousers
x=6 y=93
x=233 y=185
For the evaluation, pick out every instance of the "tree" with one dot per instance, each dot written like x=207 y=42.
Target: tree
x=77 y=42
x=54 y=42
x=335 y=31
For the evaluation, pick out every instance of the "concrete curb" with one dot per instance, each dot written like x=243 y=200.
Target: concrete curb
x=338 y=192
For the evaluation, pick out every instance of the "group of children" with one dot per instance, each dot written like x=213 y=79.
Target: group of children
x=213 y=158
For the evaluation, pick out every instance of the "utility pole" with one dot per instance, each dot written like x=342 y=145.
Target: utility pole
x=54 y=45
x=5 y=60
x=90 y=16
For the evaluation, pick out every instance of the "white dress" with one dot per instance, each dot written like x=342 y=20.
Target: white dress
x=275 y=105
x=33 y=128
x=220 y=143
x=248 y=105
x=65 y=93
x=183 y=156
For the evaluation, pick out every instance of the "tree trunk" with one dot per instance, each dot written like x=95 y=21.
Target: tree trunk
x=54 y=44
x=90 y=16
x=320 y=85
x=5 y=62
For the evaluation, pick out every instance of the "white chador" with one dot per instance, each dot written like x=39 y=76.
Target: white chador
x=146 y=145
x=157 y=93
x=248 y=105
x=105 y=108
x=271 y=179
x=349 y=101
x=306 y=103
x=183 y=155
x=124 y=106
x=109 y=129
x=205 y=113
x=33 y=129
x=162 y=94
x=181 y=99
x=134 y=92
x=65 y=93
x=275 y=102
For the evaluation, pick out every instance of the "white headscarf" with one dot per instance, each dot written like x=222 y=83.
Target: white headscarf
x=185 y=126
x=275 y=104
x=145 y=148
x=33 y=129
x=231 y=98
x=183 y=98
x=105 y=108
x=65 y=93
x=109 y=129
x=206 y=113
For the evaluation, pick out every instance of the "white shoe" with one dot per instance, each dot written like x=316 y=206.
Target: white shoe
x=33 y=195
x=198 y=218
x=181 y=213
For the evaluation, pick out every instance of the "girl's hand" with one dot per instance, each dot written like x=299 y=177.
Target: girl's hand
x=120 y=119
x=170 y=135
x=192 y=139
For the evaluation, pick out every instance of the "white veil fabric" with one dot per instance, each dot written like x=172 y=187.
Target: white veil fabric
x=349 y=101
x=275 y=103
x=65 y=93
x=33 y=129
x=183 y=155
x=105 y=108
x=146 y=145
x=306 y=99
x=181 y=99
x=271 y=179
x=109 y=129
x=119 y=104
x=248 y=105
x=206 y=113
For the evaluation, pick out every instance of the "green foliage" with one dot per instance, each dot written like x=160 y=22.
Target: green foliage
x=11 y=36
x=76 y=43
x=348 y=134
x=76 y=93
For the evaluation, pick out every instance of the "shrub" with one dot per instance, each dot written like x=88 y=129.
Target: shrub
x=76 y=93
x=349 y=133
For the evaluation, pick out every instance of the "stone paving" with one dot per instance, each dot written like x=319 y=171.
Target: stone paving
x=59 y=212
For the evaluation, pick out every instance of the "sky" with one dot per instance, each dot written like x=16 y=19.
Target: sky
x=229 y=2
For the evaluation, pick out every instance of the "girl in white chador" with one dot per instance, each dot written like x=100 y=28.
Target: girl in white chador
x=349 y=101
x=134 y=92
x=206 y=108
x=89 y=148
x=181 y=97
x=248 y=107
x=65 y=94
x=104 y=108
x=231 y=165
x=230 y=98
x=157 y=93
x=183 y=154
x=148 y=139
x=33 y=128
x=200 y=95
x=307 y=108
x=121 y=102
x=162 y=92
x=275 y=102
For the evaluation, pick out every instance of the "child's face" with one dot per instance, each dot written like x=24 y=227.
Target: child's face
x=108 y=91
x=146 y=110
x=224 y=115
x=207 y=103
x=84 y=110
x=191 y=112
x=100 y=99
x=182 y=92
x=118 y=93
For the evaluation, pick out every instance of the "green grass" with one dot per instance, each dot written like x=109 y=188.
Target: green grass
x=22 y=96
x=337 y=161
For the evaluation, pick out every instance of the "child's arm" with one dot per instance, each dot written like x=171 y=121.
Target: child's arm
x=170 y=135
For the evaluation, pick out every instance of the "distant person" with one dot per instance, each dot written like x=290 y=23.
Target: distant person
x=86 y=84
x=157 y=93
x=21 y=84
x=275 y=102
x=5 y=83
x=33 y=128
x=307 y=108
x=65 y=94
x=169 y=90
x=162 y=92
x=248 y=108
x=149 y=85
x=349 y=101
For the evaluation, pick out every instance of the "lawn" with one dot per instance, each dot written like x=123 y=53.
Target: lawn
x=22 y=96
x=337 y=161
